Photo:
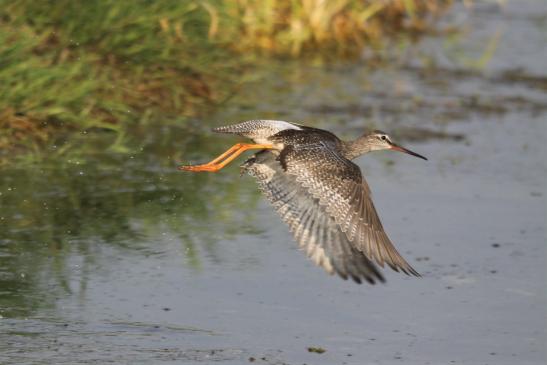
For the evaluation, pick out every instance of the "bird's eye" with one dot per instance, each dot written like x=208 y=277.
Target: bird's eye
x=383 y=138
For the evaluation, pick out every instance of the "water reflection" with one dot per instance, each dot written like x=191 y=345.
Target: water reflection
x=57 y=216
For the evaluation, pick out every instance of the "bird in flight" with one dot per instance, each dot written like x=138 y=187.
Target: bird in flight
x=308 y=176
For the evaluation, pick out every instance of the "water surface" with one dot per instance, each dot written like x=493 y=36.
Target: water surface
x=115 y=256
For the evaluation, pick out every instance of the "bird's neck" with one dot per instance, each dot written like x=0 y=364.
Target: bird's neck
x=356 y=148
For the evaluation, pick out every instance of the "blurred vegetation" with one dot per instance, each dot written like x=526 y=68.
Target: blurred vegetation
x=71 y=66
x=75 y=65
x=315 y=26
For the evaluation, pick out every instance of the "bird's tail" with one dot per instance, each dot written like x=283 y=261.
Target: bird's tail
x=257 y=127
x=240 y=128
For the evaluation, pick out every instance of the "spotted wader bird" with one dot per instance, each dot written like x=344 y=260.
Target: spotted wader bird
x=307 y=175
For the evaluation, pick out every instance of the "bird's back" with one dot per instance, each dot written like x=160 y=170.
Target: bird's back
x=305 y=137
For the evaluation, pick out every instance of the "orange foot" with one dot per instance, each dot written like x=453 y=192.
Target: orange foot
x=198 y=168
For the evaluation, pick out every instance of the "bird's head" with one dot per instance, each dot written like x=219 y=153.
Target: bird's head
x=378 y=140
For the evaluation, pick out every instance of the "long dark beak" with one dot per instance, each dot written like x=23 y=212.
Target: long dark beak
x=402 y=149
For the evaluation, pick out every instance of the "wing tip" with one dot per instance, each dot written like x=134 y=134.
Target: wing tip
x=372 y=278
x=407 y=269
x=414 y=272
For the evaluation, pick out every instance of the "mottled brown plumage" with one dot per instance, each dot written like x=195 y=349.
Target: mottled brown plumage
x=316 y=232
x=307 y=175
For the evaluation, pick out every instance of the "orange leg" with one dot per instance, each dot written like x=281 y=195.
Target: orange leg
x=227 y=157
x=231 y=150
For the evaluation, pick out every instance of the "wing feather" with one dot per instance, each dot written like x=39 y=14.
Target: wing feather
x=316 y=232
x=338 y=185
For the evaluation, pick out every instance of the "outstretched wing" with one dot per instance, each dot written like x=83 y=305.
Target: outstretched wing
x=338 y=185
x=316 y=232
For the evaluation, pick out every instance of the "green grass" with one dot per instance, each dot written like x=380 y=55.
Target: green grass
x=68 y=66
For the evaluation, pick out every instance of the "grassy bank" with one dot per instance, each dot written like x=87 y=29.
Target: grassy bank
x=71 y=66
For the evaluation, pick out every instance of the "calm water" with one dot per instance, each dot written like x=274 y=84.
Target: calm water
x=114 y=256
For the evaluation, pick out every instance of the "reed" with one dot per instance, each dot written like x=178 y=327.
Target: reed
x=344 y=26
